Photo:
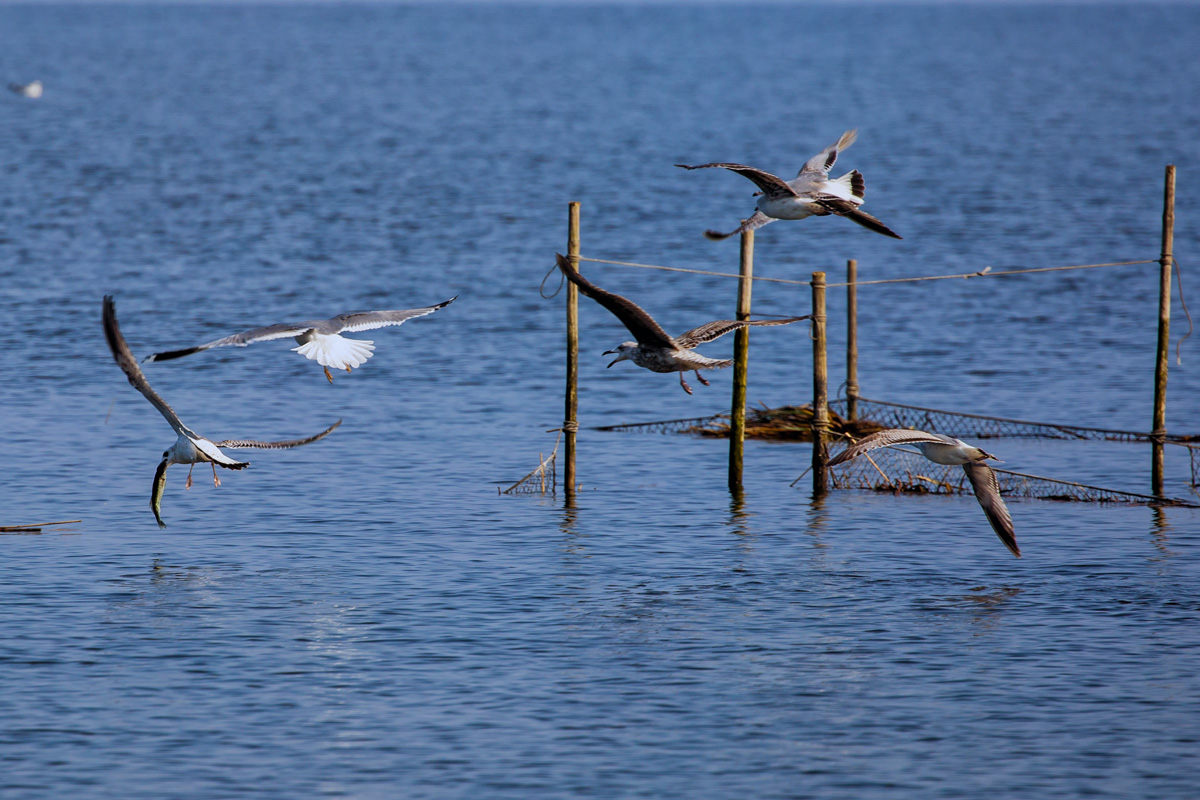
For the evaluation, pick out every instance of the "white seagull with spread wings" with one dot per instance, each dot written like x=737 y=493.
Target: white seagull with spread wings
x=190 y=447
x=810 y=194
x=319 y=339
x=654 y=349
x=949 y=451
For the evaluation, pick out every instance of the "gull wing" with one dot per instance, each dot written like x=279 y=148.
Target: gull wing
x=771 y=185
x=717 y=329
x=817 y=168
x=129 y=365
x=160 y=484
x=844 y=208
x=247 y=444
x=756 y=221
x=987 y=491
x=366 y=320
x=888 y=438
x=643 y=327
x=281 y=330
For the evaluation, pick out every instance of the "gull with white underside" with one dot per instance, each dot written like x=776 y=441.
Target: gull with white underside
x=951 y=452
x=810 y=194
x=189 y=447
x=654 y=349
x=319 y=340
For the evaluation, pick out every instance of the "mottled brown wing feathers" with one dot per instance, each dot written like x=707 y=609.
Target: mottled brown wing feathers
x=715 y=330
x=771 y=185
x=248 y=444
x=643 y=327
x=129 y=365
x=886 y=438
x=987 y=491
x=756 y=221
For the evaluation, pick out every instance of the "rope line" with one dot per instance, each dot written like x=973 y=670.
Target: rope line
x=986 y=272
x=692 y=271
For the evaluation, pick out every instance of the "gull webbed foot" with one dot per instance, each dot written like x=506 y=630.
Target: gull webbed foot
x=700 y=378
x=216 y=480
x=683 y=383
x=327 y=375
x=188 y=485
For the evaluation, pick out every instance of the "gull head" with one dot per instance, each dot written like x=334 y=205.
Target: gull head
x=624 y=352
x=978 y=454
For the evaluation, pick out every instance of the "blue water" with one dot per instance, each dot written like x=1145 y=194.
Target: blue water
x=366 y=617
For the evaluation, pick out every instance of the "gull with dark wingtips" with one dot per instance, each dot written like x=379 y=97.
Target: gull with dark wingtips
x=190 y=447
x=654 y=349
x=319 y=339
x=949 y=451
x=810 y=194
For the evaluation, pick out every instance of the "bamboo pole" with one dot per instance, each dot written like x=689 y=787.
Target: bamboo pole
x=1159 y=430
x=852 y=339
x=570 y=413
x=820 y=423
x=741 y=355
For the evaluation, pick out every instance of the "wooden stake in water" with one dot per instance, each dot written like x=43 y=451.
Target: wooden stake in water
x=741 y=355
x=820 y=423
x=1166 y=263
x=852 y=339
x=570 y=413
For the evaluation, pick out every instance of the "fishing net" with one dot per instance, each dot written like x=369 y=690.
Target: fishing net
x=979 y=426
x=901 y=471
x=543 y=479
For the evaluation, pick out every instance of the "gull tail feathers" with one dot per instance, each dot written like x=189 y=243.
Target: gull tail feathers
x=852 y=182
x=336 y=351
x=213 y=453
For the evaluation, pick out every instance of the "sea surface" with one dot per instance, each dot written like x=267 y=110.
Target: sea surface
x=367 y=617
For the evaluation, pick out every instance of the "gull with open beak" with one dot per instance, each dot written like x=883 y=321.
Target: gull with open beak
x=654 y=349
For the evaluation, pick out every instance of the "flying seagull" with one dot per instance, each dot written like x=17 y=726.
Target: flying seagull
x=810 y=194
x=945 y=450
x=33 y=89
x=319 y=339
x=654 y=349
x=190 y=447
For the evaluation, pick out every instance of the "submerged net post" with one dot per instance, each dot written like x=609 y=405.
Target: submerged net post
x=1159 y=430
x=570 y=413
x=741 y=355
x=820 y=420
x=851 y=339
